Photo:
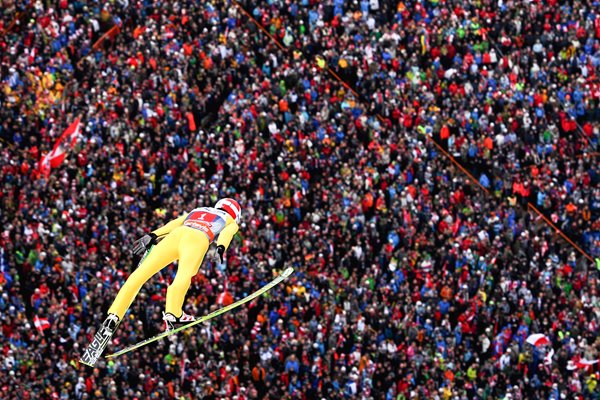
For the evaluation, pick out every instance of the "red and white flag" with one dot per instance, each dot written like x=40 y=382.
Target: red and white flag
x=41 y=323
x=65 y=142
x=224 y=298
x=581 y=362
x=538 y=339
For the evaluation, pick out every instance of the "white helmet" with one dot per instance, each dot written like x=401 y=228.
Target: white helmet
x=231 y=206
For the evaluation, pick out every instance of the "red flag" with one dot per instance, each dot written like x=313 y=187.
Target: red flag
x=41 y=323
x=456 y=226
x=65 y=142
x=44 y=167
x=582 y=362
x=224 y=299
x=191 y=121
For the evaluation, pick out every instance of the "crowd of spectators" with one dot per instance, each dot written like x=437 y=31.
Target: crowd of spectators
x=412 y=282
x=504 y=95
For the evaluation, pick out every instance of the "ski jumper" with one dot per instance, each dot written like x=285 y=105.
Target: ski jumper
x=187 y=240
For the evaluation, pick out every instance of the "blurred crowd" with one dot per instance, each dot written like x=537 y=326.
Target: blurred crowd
x=412 y=282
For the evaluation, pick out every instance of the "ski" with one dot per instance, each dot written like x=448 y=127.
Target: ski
x=284 y=275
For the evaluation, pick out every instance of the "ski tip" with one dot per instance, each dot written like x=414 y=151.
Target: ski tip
x=288 y=271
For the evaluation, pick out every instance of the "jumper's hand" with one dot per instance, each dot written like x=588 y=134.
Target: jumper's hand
x=220 y=252
x=143 y=244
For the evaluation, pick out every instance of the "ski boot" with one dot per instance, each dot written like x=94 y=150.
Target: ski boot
x=171 y=320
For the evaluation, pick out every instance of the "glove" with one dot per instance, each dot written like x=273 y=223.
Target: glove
x=220 y=252
x=143 y=244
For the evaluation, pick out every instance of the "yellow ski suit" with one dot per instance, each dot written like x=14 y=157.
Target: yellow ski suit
x=186 y=239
